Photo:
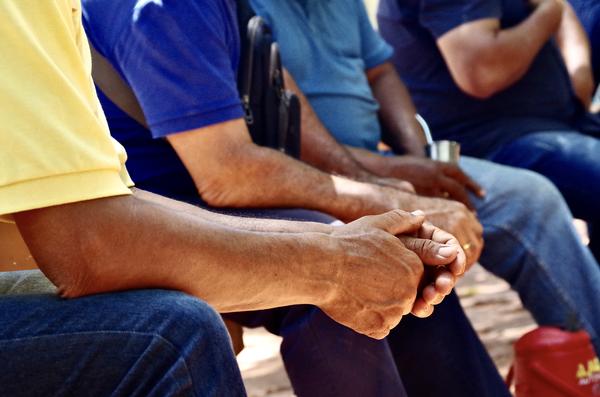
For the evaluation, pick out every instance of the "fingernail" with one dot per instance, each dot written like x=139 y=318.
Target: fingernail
x=418 y=213
x=447 y=251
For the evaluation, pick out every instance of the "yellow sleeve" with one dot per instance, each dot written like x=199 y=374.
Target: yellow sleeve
x=55 y=146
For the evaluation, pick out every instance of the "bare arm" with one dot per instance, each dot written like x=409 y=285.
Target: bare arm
x=132 y=242
x=484 y=59
x=323 y=151
x=237 y=222
x=397 y=111
x=575 y=49
x=231 y=171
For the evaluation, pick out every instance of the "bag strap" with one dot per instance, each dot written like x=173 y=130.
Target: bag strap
x=115 y=88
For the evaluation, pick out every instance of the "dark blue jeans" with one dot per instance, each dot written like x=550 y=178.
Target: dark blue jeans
x=144 y=343
x=439 y=356
x=572 y=162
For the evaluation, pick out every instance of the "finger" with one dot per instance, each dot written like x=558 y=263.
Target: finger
x=421 y=309
x=378 y=335
x=474 y=251
x=432 y=232
x=431 y=296
x=430 y=252
x=460 y=264
x=464 y=179
x=440 y=283
x=397 y=222
x=455 y=191
x=444 y=282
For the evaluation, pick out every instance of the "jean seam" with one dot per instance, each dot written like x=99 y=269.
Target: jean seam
x=167 y=342
x=543 y=266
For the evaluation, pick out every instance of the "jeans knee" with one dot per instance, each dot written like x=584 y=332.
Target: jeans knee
x=535 y=193
x=187 y=315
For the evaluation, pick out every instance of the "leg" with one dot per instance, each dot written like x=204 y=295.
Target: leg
x=531 y=243
x=324 y=358
x=144 y=343
x=570 y=161
x=442 y=356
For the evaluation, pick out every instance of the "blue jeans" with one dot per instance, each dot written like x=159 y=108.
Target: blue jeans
x=530 y=242
x=143 y=343
x=571 y=161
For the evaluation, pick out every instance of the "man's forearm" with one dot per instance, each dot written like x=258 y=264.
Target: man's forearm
x=397 y=111
x=319 y=148
x=574 y=45
x=373 y=162
x=515 y=49
x=237 y=222
x=266 y=178
x=159 y=246
x=485 y=59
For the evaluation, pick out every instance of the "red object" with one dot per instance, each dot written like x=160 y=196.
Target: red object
x=550 y=362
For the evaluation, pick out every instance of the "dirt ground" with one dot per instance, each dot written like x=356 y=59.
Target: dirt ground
x=494 y=309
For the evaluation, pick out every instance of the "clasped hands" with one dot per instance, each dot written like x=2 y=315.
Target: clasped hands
x=394 y=264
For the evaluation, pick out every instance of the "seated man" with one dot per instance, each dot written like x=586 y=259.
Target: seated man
x=345 y=73
x=65 y=186
x=180 y=58
x=509 y=80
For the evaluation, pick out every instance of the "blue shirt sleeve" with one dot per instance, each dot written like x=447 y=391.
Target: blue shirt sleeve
x=180 y=58
x=374 y=49
x=441 y=16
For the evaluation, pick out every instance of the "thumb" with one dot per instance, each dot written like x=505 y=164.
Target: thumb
x=429 y=251
x=398 y=222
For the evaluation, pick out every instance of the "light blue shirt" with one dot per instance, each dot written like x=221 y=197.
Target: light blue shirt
x=327 y=45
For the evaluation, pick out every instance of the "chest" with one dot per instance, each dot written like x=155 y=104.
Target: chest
x=319 y=29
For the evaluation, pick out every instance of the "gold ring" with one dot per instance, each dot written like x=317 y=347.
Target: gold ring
x=466 y=246
x=445 y=194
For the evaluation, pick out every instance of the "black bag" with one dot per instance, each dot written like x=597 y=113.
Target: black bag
x=272 y=112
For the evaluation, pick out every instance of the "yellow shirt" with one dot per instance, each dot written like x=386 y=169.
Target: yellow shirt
x=55 y=147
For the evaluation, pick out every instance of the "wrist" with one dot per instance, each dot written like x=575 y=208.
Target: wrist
x=321 y=258
x=353 y=199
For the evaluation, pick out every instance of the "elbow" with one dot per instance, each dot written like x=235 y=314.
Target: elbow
x=219 y=191
x=75 y=273
x=479 y=81
x=483 y=79
x=223 y=183
x=476 y=89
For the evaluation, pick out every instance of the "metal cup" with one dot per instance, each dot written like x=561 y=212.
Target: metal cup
x=444 y=151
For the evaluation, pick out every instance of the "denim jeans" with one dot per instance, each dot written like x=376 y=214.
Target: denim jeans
x=572 y=162
x=530 y=242
x=143 y=343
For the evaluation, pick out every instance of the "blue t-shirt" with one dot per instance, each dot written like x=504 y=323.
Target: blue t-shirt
x=588 y=12
x=327 y=45
x=541 y=101
x=181 y=59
